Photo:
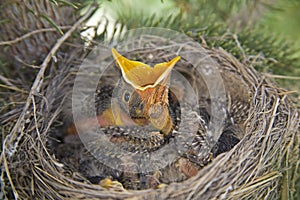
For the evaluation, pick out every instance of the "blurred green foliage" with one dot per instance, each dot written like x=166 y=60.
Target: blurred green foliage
x=265 y=30
x=284 y=20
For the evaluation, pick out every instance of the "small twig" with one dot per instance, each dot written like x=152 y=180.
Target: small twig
x=13 y=88
x=288 y=92
x=26 y=64
x=18 y=39
x=283 y=77
x=235 y=37
x=4 y=161
x=6 y=81
x=37 y=129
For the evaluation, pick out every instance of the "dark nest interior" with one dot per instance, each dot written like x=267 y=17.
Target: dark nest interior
x=256 y=157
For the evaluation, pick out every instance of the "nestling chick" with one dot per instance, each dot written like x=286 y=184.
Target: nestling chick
x=143 y=93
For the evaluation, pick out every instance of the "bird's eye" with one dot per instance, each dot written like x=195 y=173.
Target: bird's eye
x=126 y=96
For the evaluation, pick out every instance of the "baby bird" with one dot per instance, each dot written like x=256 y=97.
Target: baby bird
x=143 y=93
x=141 y=97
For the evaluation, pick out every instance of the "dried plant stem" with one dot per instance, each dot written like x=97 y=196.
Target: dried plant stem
x=283 y=77
x=27 y=35
x=13 y=88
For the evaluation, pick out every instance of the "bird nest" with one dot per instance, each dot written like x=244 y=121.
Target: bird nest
x=263 y=164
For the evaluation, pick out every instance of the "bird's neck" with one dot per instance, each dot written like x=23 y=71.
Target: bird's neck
x=157 y=107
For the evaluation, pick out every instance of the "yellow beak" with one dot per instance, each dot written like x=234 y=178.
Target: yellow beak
x=142 y=76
